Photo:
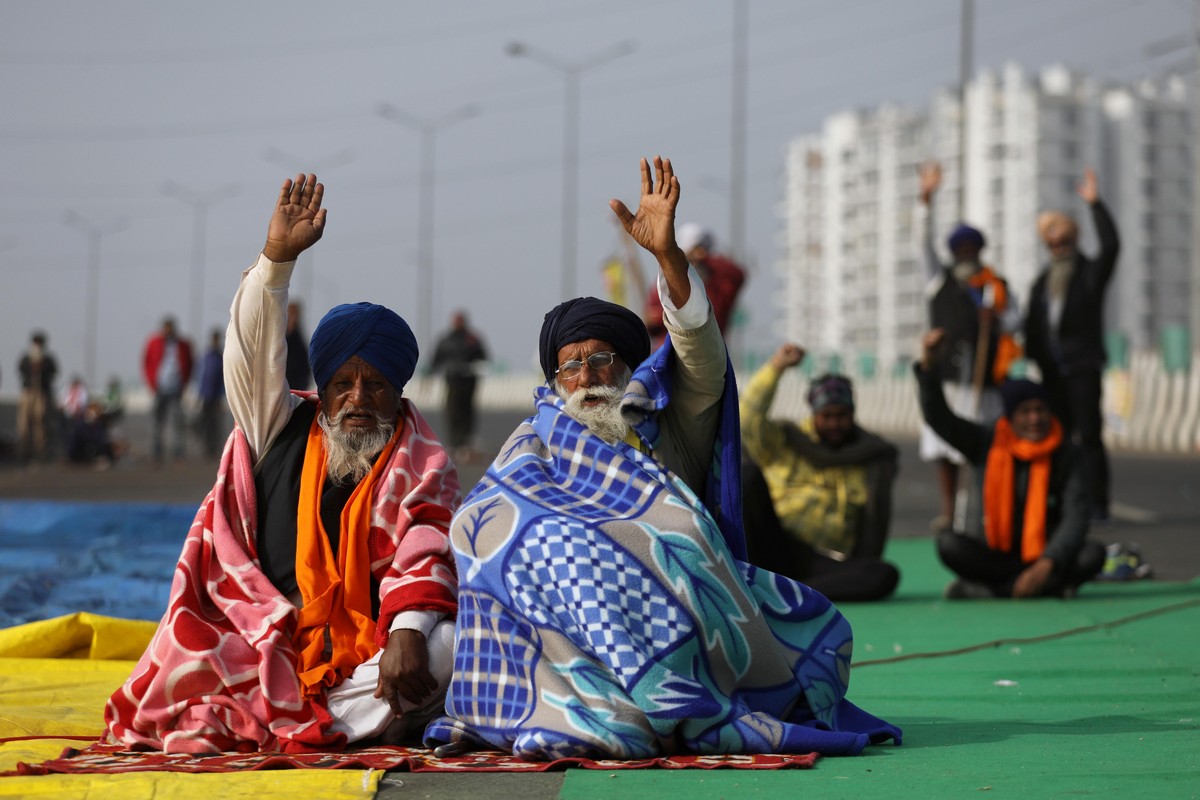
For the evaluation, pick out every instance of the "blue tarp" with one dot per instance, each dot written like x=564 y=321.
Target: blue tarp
x=116 y=559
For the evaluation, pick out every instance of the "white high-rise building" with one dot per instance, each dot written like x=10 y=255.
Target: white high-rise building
x=853 y=270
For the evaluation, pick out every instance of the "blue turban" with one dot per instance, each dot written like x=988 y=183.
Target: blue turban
x=590 y=318
x=1015 y=392
x=965 y=234
x=375 y=334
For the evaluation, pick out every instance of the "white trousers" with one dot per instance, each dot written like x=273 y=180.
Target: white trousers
x=359 y=714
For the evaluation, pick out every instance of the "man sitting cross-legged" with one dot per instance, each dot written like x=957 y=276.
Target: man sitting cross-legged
x=313 y=602
x=605 y=606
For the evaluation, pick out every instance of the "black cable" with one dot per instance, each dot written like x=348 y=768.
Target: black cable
x=1046 y=637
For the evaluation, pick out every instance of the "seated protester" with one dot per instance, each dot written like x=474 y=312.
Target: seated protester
x=313 y=602
x=89 y=441
x=816 y=496
x=1034 y=489
x=605 y=607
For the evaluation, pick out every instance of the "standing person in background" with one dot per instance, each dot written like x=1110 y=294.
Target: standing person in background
x=167 y=367
x=816 y=496
x=722 y=279
x=456 y=355
x=212 y=393
x=299 y=372
x=1064 y=331
x=38 y=369
x=973 y=305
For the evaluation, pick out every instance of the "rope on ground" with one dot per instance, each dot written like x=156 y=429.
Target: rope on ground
x=1046 y=637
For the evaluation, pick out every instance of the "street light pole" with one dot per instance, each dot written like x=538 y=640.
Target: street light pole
x=737 y=170
x=294 y=164
x=200 y=203
x=572 y=73
x=428 y=129
x=966 y=59
x=91 y=312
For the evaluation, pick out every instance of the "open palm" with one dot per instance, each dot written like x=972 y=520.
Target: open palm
x=653 y=226
x=298 y=221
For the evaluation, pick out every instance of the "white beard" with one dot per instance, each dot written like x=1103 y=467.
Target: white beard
x=351 y=454
x=604 y=420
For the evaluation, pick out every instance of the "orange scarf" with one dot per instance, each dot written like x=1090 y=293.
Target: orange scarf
x=999 y=486
x=1007 y=349
x=336 y=592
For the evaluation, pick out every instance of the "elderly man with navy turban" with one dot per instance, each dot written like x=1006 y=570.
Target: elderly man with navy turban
x=973 y=305
x=605 y=606
x=313 y=604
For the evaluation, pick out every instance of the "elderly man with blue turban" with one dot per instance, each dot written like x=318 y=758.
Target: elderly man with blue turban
x=605 y=606
x=313 y=604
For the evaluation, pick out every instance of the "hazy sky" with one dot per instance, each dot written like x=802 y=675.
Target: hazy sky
x=104 y=102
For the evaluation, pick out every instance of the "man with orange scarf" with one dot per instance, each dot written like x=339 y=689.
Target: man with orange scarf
x=314 y=600
x=1034 y=489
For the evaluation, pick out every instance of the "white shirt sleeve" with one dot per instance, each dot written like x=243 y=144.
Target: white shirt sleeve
x=694 y=312
x=256 y=384
x=422 y=621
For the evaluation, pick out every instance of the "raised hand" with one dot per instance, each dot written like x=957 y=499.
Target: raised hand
x=931 y=178
x=653 y=227
x=298 y=221
x=1089 y=190
x=931 y=342
x=788 y=355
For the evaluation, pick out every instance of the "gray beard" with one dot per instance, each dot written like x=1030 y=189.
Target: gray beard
x=604 y=420
x=963 y=270
x=349 y=455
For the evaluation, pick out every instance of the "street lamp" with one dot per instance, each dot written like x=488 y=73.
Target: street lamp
x=428 y=128
x=572 y=72
x=294 y=164
x=91 y=312
x=200 y=203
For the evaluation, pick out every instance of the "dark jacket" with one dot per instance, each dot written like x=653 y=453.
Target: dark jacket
x=1067 y=504
x=1079 y=344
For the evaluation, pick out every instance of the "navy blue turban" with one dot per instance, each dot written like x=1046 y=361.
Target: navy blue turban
x=1015 y=392
x=589 y=318
x=375 y=334
x=830 y=390
x=965 y=234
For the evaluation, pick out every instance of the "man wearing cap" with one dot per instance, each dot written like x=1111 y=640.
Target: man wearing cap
x=972 y=304
x=313 y=603
x=817 y=496
x=1034 y=489
x=722 y=279
x=605 y=606
x=1064 y=330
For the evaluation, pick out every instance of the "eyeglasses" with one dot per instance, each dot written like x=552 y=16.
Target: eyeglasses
x=572 y=368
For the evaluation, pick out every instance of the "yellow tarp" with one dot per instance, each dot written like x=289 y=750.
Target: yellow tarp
x=55 y=677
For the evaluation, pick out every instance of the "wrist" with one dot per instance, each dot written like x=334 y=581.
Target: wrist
x=278 y=253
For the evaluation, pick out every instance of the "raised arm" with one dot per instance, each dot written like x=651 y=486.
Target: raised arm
x=931 y=179
x=255 y=359
x=760 y=434
x=653 y=226
x=963 y=435
x=1106 y=229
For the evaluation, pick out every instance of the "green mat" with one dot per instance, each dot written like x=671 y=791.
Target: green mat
x=1107 y=704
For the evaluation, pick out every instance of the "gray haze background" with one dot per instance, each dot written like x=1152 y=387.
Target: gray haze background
x=103 y=102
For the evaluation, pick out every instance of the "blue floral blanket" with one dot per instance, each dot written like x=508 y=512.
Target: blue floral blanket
x=602 y=615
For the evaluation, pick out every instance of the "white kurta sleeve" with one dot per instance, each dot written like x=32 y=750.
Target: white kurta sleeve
x=256 y=354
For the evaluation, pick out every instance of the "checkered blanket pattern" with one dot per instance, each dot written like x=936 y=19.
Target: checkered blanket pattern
x=602 y=615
